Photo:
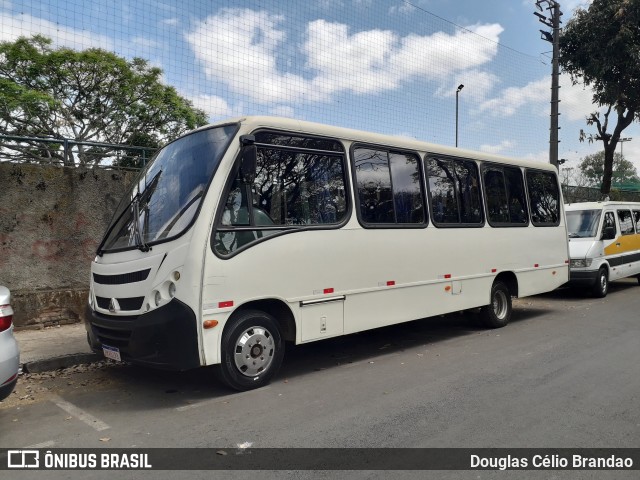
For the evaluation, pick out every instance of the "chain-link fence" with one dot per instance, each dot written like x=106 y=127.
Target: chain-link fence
x=574 y=194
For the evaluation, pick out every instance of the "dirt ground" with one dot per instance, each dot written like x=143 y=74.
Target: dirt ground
x=39 y=387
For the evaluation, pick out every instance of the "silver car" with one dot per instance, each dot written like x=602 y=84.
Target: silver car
x=9 y=352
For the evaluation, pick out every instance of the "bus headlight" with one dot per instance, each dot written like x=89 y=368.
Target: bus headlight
x=158 y=298
x=172 y=290
x=580 y=262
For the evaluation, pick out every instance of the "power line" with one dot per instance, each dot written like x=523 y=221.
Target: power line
x=470 y=31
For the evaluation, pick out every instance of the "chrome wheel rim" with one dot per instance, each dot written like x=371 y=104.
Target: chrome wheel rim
x=254 y=351
x=603 y=283
x=500 y=304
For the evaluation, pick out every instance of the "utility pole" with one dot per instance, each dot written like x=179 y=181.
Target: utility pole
x=554 y=38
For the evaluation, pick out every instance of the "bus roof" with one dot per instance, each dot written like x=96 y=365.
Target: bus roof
x=280 y=123
x=599 y=205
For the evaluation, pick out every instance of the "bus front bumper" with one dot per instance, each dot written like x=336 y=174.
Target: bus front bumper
x=164 y=338
x=582 y=277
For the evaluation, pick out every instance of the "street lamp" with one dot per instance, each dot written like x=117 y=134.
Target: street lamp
x=460 y=87
x=622 y=140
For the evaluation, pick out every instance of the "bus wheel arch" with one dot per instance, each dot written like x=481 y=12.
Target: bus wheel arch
x=278 y=309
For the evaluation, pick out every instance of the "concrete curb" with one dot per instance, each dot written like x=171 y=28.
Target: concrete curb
x=64 y=361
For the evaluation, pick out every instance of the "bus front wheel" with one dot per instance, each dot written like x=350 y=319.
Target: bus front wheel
x=498 y=313
x=252 y=351
x=601 y=287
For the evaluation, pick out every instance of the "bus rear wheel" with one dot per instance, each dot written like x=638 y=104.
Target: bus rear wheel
x=498 y=313
x=252 y=351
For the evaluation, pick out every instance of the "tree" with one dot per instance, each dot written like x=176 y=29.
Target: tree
x=86 y=96
x=592 y=167
x=599 y=47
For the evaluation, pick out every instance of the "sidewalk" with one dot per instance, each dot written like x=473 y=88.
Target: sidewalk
x=54 y=347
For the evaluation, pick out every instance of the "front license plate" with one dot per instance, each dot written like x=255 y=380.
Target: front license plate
x=111 y=352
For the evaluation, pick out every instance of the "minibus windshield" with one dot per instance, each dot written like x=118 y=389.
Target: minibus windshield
x=166 y=197
x=583 y=223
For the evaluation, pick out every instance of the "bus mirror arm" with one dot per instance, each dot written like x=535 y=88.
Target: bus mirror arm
x=249 y=155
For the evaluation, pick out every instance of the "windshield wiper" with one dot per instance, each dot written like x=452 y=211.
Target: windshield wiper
x=142 y=246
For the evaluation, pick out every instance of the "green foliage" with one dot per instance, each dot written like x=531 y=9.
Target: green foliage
x=600 y=47
x=90 y=96
x=624 y=171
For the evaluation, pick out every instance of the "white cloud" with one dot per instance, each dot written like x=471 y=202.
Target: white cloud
x=403 y=9
x=575 y=100
x=497 y=149
x=283 y=111
x=14 y=26
x=334 y=59
x=215 y=107
x=170 y=21
x=477 y=84
x=144 y=42
x=542 y=157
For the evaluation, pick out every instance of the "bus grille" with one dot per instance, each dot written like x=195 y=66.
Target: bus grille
x=126 y=304
x=122 y=278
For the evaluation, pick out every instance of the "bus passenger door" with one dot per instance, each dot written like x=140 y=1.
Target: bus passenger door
x=611 y=243
x=321 y=319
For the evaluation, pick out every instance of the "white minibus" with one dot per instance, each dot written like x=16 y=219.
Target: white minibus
x=604 y=243
x=249 y=233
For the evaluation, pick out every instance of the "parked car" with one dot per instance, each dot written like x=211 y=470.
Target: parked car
x=9 y=352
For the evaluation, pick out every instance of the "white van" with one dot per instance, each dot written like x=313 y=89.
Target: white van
x=604 y=243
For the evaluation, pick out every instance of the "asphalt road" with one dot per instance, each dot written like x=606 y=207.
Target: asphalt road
x=564 y=373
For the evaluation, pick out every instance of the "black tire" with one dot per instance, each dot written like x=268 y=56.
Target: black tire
x=638 y=278
x=252 y=351
x=498 y=313
x=601 y=287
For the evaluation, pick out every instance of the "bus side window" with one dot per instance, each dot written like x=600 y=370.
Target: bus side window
x=636 y=220
x=609 y=222
x=626 y=222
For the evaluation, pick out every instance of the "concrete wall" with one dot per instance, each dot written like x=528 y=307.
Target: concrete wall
x=51 y=221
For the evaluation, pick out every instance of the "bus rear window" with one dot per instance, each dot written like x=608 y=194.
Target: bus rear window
x=544 y=198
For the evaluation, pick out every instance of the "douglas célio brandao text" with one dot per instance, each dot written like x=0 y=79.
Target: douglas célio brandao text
x=551 y=461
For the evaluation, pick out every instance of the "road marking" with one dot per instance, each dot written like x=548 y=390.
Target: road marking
x=48 y=444
x=219 y=400
x=80 y=414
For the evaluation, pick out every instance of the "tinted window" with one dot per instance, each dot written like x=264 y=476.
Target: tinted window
x=454 y=191
x=609 y=221
x=313 y=143
x=292 y=189
x=544 y=198
x=626 y=222
x=636 y=219
x=389 y=187
x=504 y=190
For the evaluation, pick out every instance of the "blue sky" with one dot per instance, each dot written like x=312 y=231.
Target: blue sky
x=388 y=66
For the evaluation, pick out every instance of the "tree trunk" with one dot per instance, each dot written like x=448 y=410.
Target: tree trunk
x=609 y=150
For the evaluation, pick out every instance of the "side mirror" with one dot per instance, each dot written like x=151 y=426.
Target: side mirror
x=608 y=233
x=249 y=154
